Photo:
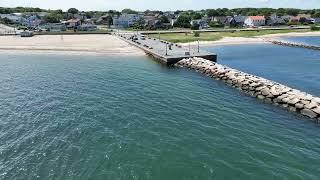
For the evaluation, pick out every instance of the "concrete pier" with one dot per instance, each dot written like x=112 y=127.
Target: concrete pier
x=163 y=51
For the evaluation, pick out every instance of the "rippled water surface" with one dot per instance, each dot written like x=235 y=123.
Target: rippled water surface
x=105 y=117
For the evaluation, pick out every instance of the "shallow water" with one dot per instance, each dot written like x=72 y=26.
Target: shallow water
x=72 y=117
x=295 y=67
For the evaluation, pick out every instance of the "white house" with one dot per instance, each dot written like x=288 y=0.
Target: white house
x=315 y=20
x=255 y=21
x=126 y=20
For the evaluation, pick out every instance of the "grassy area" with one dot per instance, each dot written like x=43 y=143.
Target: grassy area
x=214 y=36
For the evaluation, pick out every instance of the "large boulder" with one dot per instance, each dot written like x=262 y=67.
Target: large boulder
x=293 y=101
x=299 y=105
x=274 y=91
x=316 y=110
x=309 y=113
x=311 y=105
x=261 y=97
x=265 y=91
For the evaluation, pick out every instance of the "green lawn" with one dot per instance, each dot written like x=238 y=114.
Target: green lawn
x=214 y=36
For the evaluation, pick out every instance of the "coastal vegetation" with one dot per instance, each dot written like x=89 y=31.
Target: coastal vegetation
x=214 y=36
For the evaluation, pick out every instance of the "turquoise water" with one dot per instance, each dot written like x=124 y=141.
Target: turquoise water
x=311 y=40
x=105 y=117
x=295 y=67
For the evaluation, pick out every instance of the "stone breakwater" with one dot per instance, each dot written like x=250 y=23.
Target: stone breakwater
x=292 y=44
x=263 y=89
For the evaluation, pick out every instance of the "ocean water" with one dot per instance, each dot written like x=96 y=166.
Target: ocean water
x=295 y=67
x=107 y=117
x=310 y=40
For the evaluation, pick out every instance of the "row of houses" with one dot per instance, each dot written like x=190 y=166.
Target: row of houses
x=35 y=21
x=150 y=19
x=71 y=24
x=127 y=20
x=254 y=21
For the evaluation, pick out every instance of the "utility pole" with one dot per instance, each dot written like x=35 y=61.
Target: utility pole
x=189 y=49
x=159 y=35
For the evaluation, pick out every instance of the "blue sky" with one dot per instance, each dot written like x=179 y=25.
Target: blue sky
x=159 y=4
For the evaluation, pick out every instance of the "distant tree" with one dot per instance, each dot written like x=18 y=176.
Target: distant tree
x=212 y=13
x=316 y=14
x=58 y=11
x=183 y=21
x=196 y=16
x=216 y=25
x=164 y=19
x=129 y=11
x=195 y=26
x=293 y=12
x=252 y=13
x=89 y=14
x=139 y=24
x=53 y=18
x=73 y=11
x=109 y=20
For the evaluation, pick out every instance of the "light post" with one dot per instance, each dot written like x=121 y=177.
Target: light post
x=166 y=49
x=198 y=46
x=189 y=49
x=159 y=35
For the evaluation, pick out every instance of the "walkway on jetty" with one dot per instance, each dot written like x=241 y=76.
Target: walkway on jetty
x=166 y=52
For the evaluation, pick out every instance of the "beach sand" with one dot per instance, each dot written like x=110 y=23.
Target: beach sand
x=68 y=44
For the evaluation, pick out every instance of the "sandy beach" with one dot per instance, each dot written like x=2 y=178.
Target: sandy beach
x=108 y=44
x=255 y=40
x=68 y=44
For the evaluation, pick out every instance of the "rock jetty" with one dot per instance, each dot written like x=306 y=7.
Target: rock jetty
x=293 y=44
x=263 y=89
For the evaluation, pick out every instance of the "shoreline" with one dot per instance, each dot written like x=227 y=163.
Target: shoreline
x=253 y=40
x=111 y=45
x=68 y=45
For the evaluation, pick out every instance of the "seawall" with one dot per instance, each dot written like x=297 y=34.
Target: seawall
x=292 y=44
x=263 y=89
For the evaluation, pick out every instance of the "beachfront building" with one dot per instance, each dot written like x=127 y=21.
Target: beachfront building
x=53 y=27
x=275 y=20
x=73 y=23
x=315 y=20
x=31 y=21
x=235 y=21
x=219 y=19
x=255 y=21
x=203 y=24
x=294 y=19
x=172 y=21
x=126 y=20
x=87 y=27
x=12 y=17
